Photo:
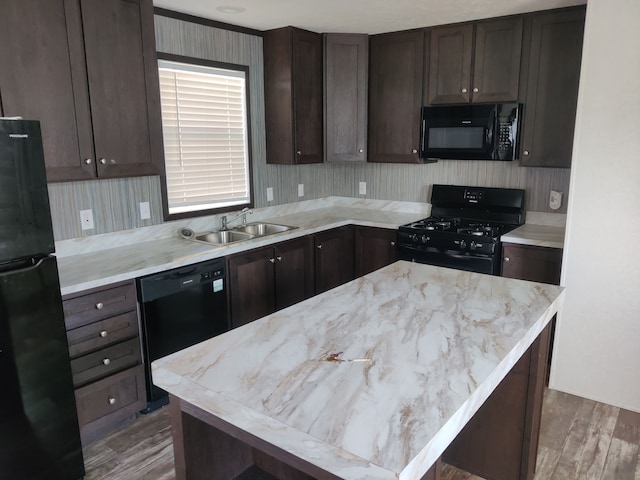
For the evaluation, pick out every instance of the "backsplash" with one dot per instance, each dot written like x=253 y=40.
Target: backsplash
x=115 y=203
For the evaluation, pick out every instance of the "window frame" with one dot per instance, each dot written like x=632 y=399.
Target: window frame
x=163 y=175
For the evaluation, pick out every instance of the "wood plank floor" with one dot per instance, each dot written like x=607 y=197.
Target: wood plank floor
x=579 y=440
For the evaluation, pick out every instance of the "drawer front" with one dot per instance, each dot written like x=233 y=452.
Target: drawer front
x=99 y=364
x=102 y=333
x=97 y=305
x=108 y=397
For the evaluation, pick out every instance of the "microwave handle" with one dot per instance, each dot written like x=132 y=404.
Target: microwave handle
x=423 y=140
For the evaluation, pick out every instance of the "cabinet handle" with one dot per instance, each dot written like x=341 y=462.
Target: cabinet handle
x=475 y=90
x=106 y=361
x=464 y=90
x=415 y=150
x=279 y=259
x=112 y=401
x=88 y=161
x=360 y=150
x=103 y=161
x=319 y=247
x=507 y=259
x=272 y=260
x=103 y=333
x=526 y=152
x=99 y=306
x=393 y=244
x=299 y=152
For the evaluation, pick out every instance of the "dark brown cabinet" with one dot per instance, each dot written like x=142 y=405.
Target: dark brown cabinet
x=334 y=259
x=346 y=62
x=374 y=249
x=86 y=69
x=475 y=62
x=536 y=264
x=395 y=96
x=264 y=280
x=293 y=96
x=106 y=360
x=553 y=74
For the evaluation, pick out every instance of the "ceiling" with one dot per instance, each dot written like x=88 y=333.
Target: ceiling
x=355 y=16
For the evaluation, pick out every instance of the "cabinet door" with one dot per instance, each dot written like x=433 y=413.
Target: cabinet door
x=123 y=85
x=395 y=96
x=536 y=264
x=334 y=263
x=251 y=285
x=496 y=71
x=43 y=78
x=293 y=272
x=345 y=79
x=450 y=64
x=552 y=88
x=374 y=249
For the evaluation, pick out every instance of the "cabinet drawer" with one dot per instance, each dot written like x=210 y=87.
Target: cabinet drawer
x=102 y=333
x=98 y=304
x=112 y=397
x=103 y=362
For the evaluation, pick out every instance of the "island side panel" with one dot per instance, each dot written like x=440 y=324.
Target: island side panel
x=501 y=440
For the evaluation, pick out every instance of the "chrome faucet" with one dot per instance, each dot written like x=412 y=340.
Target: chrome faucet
x=243 y=213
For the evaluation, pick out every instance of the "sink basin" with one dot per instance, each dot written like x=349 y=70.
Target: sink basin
x=223 y=237
x=261 y=229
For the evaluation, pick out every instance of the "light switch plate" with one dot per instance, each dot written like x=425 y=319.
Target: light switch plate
x=269 y=194
x=362 y=188
x=301 y=190
x=86 y=219
x=145 y=210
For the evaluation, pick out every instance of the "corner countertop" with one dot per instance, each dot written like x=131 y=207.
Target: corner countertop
x=540 y=230
x=128 y=255
x=336 y=381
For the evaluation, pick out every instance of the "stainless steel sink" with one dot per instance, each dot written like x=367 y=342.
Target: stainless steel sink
x=223 y=237
x=261 y=229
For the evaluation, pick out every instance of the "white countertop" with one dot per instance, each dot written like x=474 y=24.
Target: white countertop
x=133 y=257
x=536 y=235
x=436 y=343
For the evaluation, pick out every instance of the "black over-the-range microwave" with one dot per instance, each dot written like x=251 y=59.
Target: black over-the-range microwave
x=470 y=132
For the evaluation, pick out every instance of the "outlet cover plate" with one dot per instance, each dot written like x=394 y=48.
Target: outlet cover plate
x=86 y=219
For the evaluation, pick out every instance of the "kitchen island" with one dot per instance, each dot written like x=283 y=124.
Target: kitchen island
x=371 y=380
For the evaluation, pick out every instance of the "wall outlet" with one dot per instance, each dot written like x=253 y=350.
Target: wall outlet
x=555 y=200
x=145 y=211
x=362 y=188
x=269 y=194
x=86 y=219
x=301 y=190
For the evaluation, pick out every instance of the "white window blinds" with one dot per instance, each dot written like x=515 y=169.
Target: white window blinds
x=204 y=122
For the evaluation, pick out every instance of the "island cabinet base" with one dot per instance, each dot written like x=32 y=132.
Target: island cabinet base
x=500 y=442
x=207 y=448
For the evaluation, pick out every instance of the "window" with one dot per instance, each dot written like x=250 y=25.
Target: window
x=206 y=136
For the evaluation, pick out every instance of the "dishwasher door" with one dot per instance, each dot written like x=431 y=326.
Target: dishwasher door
x=179 y=308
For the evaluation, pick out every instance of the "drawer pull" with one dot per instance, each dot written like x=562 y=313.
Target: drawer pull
x=112 y=401
x=106 y=361
x=507 y=259
x=99 y=306
x=103 y=333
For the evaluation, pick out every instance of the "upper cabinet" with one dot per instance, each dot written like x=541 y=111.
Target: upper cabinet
x=346 y=65
x=475 y=62
x=395 y=96
x=293 y=96
x=553 y=74
x=87 y=70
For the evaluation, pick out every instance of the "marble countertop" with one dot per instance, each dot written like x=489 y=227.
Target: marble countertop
x=129 y=255
x=537 y=235
x=373 y=379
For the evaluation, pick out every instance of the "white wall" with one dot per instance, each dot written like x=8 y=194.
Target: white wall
x=597 y=349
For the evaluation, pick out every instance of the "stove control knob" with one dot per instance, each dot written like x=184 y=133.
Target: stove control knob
x=463 y=244
x=425 y=239
x=472 y=245
x=413 y=237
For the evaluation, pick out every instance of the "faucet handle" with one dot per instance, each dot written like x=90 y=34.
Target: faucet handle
x=223 y=220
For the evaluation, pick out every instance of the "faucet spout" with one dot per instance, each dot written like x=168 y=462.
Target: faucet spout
x=243 y=213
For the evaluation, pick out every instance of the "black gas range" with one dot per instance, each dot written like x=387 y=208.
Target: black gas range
x=464 y=228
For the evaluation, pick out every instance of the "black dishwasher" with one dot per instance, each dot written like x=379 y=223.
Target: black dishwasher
x=179 y=308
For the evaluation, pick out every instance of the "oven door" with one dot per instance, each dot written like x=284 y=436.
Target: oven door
x=449 y=259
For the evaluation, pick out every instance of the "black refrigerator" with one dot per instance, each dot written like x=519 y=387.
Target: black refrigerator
x=39 y=434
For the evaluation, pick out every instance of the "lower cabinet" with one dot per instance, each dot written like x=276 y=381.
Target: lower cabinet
x=374 y=249
x=106 y=360
x=536 y=264
x=267 y=279
x=334 y=259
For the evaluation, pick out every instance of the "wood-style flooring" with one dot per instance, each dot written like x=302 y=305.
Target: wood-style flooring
x=579 y=440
